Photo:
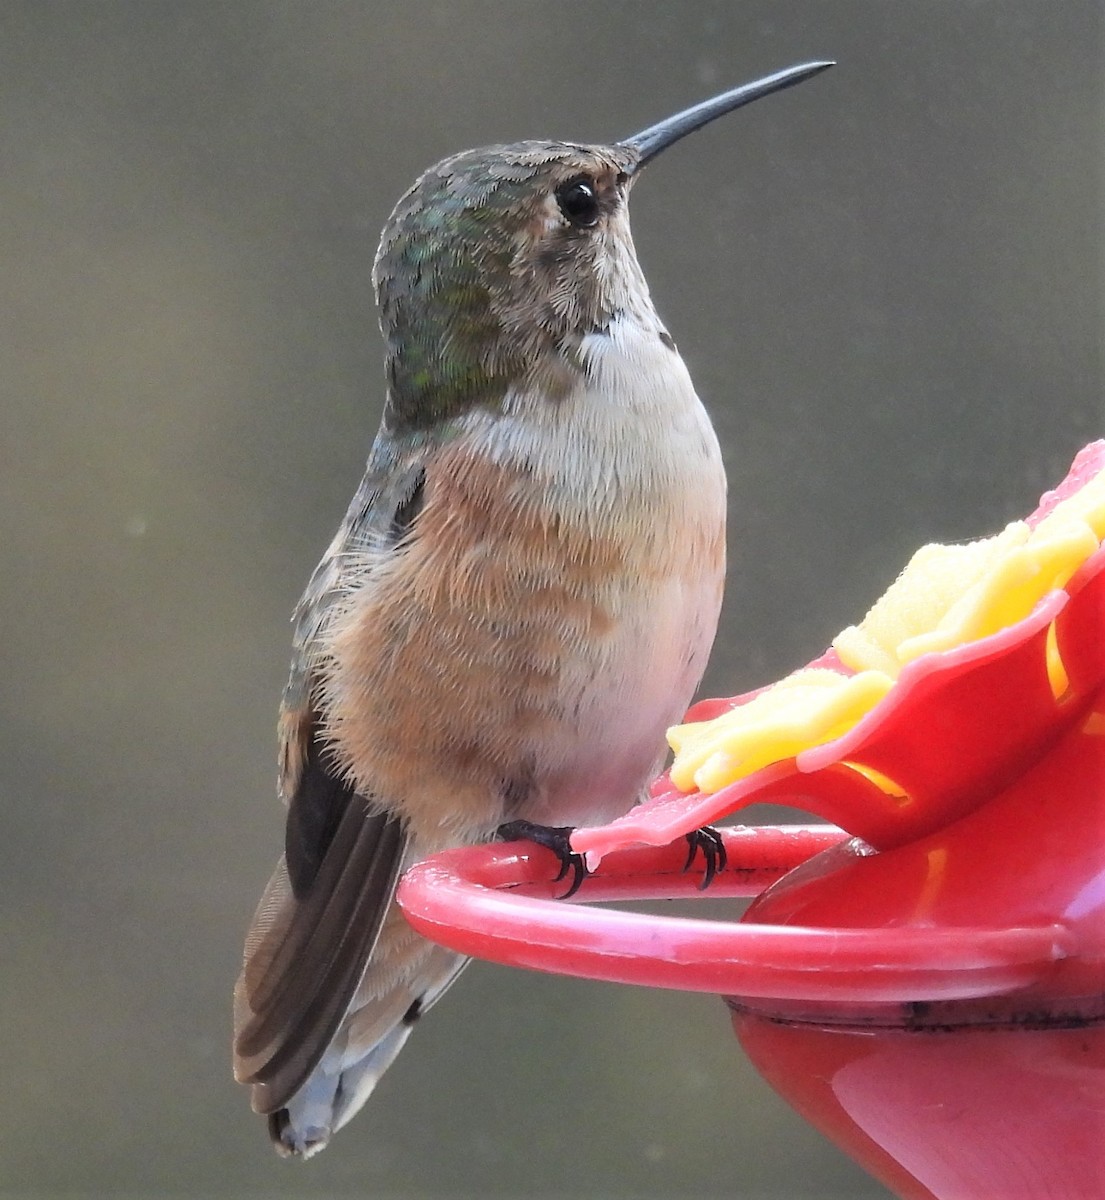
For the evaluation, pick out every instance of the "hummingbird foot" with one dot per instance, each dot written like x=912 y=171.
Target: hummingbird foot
x=556 y=838
x=708 y=841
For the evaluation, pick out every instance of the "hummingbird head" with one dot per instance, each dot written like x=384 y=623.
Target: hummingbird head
x=498 y=261
x=496 y=258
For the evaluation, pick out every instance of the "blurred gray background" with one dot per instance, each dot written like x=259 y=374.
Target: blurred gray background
x=888 y=286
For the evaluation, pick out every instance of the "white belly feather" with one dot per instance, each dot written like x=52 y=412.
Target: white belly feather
x=633 y=453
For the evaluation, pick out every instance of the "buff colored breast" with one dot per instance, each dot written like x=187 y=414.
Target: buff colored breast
x=523 y=654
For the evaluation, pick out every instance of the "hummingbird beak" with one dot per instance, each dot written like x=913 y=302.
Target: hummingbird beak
x=649 y=142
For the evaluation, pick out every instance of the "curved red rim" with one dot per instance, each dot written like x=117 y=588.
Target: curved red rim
x=496 y=902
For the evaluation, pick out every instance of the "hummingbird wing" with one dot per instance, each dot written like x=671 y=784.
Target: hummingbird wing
x=312 y=937
x=320 y=916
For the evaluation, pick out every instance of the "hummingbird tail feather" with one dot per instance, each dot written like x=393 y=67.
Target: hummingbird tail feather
x=307 y=950
x=333 y=977
x=375 y=1029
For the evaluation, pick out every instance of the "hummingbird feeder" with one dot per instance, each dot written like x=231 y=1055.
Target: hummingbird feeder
x=924 y=979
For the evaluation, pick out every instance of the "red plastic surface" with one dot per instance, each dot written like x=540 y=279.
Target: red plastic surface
x=938 y=919
x=986 y=1114
x=1033 y=853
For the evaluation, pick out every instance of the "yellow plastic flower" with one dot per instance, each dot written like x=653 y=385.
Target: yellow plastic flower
x=805 y=709
x=946 y=596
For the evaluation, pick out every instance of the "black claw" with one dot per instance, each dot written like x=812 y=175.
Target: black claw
x=554 y=838
x=710 y=842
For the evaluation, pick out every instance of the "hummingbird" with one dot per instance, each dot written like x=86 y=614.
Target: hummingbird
x=521 y=599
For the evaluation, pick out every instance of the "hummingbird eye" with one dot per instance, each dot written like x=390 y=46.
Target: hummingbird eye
x=579 y=202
